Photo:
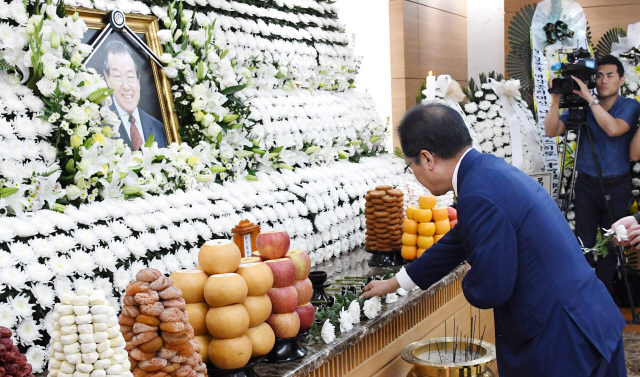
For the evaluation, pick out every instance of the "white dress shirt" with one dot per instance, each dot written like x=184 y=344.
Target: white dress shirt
x=402 y=276
x=124 y=116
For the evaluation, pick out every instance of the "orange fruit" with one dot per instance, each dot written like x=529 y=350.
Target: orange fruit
x=410 y=226
x=437 y=237
x=409 y=252
x=440 y=213
x=422 y=215
x=425 y=242
x=409 y=239
x=442 y=226
x=426 y=229
x=410 y=211
x=427 y=201
x=419 y=252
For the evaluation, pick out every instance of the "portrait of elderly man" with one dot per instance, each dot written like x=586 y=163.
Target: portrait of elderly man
x=122 y=75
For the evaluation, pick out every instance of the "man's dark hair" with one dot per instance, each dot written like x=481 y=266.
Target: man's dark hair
x=610 y=59
x=436 y=128
x=117 y=47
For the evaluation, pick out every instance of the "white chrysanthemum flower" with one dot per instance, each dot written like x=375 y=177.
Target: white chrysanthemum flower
x=63 y=243
x=121 y=278
x=346 y=322
x=82 y=262
x=203 y=230
x=185 y=258
x=39 y=272
x=401 y=292
x=22 y=252
x=103 y=233
x=28 y=331
x=13 y=277
x=158 y=265
x=104 y=258
x=6 y=260
x=135 y=223
x=120 y=229
x=328 y=332
x=36 y=357
x=83 y=285
x=21 y=306
x=63 y=286
x=119 y=249
x=86 y=238
x=390 y=298
x=177 y=235
x=43 y=247
x=149 y=241
x=354 y=310
x=370 y=307
x=6 y=234
x=8 y=317
x=44 y=294
x=164 y=238
x=136 y=247
x=171 y=263
x=104 y=285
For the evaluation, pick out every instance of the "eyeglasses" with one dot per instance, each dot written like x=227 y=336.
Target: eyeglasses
x=407 y=168
x=119 y=79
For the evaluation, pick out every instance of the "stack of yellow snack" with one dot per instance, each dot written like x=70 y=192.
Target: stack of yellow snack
x=423 y=226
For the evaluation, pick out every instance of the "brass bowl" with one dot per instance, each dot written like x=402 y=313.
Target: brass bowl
x=425 y=368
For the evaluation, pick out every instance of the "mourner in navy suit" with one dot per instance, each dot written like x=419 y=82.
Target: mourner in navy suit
x=121 y=74
x=553 y=316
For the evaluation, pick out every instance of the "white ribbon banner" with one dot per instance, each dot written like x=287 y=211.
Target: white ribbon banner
x=453 y=95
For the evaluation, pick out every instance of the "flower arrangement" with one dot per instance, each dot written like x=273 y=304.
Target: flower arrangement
x=488 y=119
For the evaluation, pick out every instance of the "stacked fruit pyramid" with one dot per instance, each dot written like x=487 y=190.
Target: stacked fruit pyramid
x=86 y=339
x=237 y=305
x=383 y=211
x=12 y=362
x=425 y=225
x=291 y=311
x=154 y=323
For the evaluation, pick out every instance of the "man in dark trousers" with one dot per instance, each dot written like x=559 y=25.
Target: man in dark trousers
x=121 y=74
x=612 y=121
x=553 y=317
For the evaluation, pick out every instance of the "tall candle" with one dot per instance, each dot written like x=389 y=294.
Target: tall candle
x=431 y=87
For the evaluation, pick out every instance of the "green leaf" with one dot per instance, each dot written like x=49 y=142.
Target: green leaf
x=232 y=89
x=219 y=137
x=149 y=142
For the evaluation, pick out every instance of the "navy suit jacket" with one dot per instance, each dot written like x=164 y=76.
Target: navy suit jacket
x=527 y=265
x=150 y=126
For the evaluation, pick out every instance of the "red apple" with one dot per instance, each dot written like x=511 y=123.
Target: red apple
x=304 y=289
x=273 y=245
x=307 y=314
x=283 y=300
x=284 y=325
x=301 y=262
x=284 y=273
x=453 y=223
x=453 y=214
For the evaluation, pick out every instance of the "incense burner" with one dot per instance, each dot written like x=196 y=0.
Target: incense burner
x=434 y=358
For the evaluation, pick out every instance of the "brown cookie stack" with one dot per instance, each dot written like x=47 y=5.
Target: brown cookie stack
x=160 y=340
x=384 y=213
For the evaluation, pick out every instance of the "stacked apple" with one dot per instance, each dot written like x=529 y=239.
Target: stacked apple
x=291 y=311
x=425 y=225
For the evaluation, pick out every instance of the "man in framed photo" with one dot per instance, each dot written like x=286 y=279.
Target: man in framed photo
x=122 y=75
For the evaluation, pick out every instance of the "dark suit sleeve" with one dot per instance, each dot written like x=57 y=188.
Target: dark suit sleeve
x=637 y=216
x=438 y=260
x=493 y=254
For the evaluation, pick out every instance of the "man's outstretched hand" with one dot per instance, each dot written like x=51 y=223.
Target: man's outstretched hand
x=380 y=287
x=633 y=231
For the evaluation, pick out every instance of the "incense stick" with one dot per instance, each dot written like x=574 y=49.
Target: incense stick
x=439 y=351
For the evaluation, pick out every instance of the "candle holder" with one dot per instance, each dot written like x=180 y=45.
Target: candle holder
x=386 y=258
x=289 y=349
x=319 y=283
x=245 y=371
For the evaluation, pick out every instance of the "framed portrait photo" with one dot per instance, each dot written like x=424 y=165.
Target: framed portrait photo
x=142 y=95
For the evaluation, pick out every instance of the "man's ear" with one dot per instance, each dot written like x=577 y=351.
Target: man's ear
x=428 y=158
x=623 y=80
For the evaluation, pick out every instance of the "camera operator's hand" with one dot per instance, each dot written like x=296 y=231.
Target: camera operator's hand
x=584 y=92
x=555 y=97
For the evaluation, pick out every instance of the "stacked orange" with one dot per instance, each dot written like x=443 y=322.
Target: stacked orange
x=423 y=226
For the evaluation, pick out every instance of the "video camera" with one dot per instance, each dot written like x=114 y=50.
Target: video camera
x=579 y=63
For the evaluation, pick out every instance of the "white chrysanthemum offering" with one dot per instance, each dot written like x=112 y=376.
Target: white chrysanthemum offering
x=86 y=337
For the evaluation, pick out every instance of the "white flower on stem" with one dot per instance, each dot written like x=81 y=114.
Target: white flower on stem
x=171 y=263
x=401 y=292
x=354 y=310
x=390 y=298
x=328 y=332
x=86 y=238
x=63 y=243
x=21 y=307
x=370 y=307
x=346 y=321
x=119 y=249
x=13 y=277
x=83 y=262
x=104 y=258
x=620 y=233
x=6 y=260
x=36 y=357
x=121 y=278
x=43 y=247
x=28 y=332
x=44 y=294
x=185 y=259
x=39 y=272
x=8 y=317
x=60 y=265
x=22 y=252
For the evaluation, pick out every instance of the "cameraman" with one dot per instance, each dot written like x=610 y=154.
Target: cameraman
x=612 y=120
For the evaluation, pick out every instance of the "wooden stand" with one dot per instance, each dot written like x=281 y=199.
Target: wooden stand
x=244 y=236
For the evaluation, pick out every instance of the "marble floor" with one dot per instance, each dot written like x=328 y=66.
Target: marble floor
x=632 y=352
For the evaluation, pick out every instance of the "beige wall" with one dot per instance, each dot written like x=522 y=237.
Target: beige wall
x=602 y=15
x=426 y=35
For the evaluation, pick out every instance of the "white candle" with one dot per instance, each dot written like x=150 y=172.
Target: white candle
x=431 y=87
